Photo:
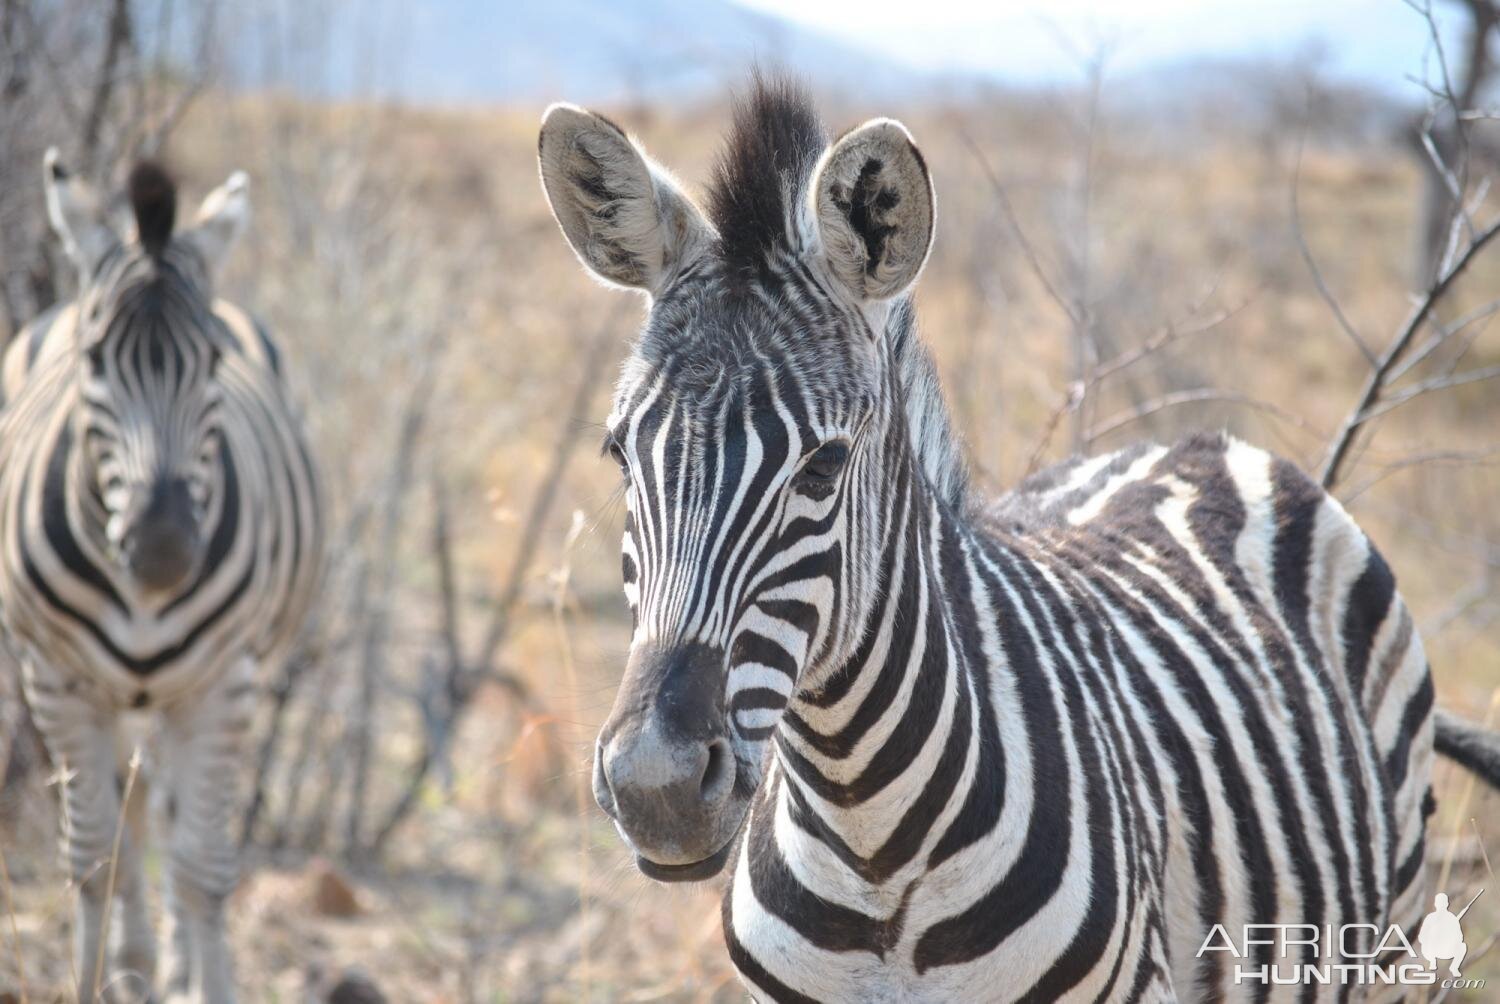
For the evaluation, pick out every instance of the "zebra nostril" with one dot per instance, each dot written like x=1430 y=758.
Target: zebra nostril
x=603 y=793
x=718 y=772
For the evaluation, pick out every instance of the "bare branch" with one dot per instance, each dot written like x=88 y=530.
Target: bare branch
x=154 y=129
x=1162 y=339
x=461 y=678
x=1069 y=403
x=118 y=37
x=1027 y=251
x=1474 y=595
x=1196 y=396
x=1443 y=137
x=1430 y=458
x=442 y=549
x=1317 y=273
x=1428 y=386
x=377 y=632
x=1454 y=186
x=595 y=364
x=315 y=648
x=58 y=83
x=1378 y=379
x=1441 y=336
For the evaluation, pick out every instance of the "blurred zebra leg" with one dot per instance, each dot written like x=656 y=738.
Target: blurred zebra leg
x=205 y=738
x=80 y=738
x=136 y=961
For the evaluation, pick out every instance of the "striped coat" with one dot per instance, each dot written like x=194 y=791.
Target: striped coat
x=1151 y=661
x=1061 y=745
x=61 y=592
x=160 y=544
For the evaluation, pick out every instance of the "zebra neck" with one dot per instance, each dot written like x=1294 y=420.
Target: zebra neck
x=878 y=763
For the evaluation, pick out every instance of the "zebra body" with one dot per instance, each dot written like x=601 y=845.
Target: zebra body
x=955 y=750
x=1144 y=682
x=133 y=649
x=160 y=541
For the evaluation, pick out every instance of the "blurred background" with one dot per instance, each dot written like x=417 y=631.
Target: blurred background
x=1264 y=216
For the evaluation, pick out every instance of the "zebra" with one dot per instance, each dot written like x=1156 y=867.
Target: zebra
x=950 y=748
x=160 y=540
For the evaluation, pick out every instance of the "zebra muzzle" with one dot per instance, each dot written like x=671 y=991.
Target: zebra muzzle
x=161 y=547
x=664 y=768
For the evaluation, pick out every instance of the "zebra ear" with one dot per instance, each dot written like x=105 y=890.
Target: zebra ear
x=221 y=219
x=76 y=215
x=624 y=216
x=873 y=204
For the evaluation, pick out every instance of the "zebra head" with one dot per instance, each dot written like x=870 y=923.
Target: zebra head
x=757 y=426
x=147 y=348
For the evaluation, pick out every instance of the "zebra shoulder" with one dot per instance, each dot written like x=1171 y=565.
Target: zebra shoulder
x=39 y=341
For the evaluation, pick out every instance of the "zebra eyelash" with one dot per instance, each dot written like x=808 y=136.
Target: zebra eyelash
x=611 y=448
x=827 y=461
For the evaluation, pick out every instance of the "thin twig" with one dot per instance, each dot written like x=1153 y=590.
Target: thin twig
x=1466 y=457
x=1441 y=336
x=1069 y=402
x=1483 y=852
x=377 y=632
x=1078 y=390
x=462 y=677
x=315 y=648
x=1466 y=795
x=595 y=364
x=1195 y=396
x=1465 y=601
x=1376 y=382
x=1027 y=251
x=1344 y=323
x=563 y=580
x=1162 y=339
x=447 y=577
x=1453 y=185
x=114 y=864
x=116 y=40
x=60 y=89
x=1428 y=386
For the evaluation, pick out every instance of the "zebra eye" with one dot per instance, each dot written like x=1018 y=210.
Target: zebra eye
x=617 y=454
x=826 y=462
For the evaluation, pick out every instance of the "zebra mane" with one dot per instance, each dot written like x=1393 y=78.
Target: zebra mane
x=773 y=144
x=153 y=199
x=934 y=442
x=760 y=176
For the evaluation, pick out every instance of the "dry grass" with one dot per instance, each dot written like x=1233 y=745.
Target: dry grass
x=385 y=239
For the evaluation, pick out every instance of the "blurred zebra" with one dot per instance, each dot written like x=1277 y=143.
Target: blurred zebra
x=957 y=751
x=160 y=538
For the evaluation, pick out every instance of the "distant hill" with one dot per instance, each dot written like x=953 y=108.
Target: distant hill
x=1233 y=58
x=487 y=51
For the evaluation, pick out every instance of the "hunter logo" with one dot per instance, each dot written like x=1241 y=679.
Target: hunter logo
x=1353 y=954
x=1441 y=937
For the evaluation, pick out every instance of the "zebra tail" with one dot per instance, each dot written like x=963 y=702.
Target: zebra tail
x=1474 y=748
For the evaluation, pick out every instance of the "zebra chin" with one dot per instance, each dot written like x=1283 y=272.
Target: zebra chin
x=671 y=841
x=698 y=871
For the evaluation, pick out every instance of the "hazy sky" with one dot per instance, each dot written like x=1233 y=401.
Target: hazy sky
x=1375 y=40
